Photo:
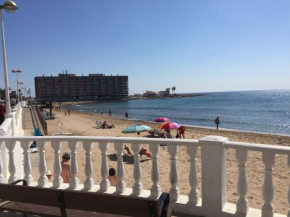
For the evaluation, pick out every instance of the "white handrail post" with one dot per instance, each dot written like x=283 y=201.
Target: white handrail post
x=242 y=203
x=74 y=182
x=89 y=182
x=193 y=197
x=42 y=180
x=155 y=188
x=12 y=165
x=213 y=159
x=58 y=180
x=173 y=176
x=268 y=190
x=2 y=177
x=27 y=164
x=137 y=187
x=105 y=184
x=121 y=185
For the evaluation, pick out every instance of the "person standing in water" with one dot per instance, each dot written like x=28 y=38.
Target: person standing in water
x=110 y=112
x=217 y=122
x=126 y=115
x=102 y=110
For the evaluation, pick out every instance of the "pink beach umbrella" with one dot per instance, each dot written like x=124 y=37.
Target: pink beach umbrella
x=159 y=120
x=169 y=125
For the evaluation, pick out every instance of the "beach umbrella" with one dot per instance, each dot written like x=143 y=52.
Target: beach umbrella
x=169 y=125
x=161 y=119
x=136 y=128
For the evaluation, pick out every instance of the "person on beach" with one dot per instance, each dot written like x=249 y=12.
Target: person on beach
x=126 y=115
x=102 y=111
x=168 y=134
x=181 y=130
x=144 y=151
x=2 y=112
x=65 y=167
x=68 y=112
x=110 y=112
x=105 y=124
x=112 y=177
x=217 y=122
x=128 y=150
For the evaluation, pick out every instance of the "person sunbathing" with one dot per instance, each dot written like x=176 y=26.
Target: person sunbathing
x=144 y=151
x=107 y=125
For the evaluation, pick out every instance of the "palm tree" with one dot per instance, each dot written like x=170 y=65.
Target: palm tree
x=174 y=88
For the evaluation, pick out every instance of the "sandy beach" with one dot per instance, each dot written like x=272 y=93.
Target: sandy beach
x=83 y=124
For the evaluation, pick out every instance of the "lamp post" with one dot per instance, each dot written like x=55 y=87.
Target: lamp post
x=23 y=95
x=10 y=7
x=17 y=72
x=20 y=83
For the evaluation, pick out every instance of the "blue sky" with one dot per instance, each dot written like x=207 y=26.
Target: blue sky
x=196 y=45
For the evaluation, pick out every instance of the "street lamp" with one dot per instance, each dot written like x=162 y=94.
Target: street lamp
x=10 y=7
x=20 y=83
x=23 y=95
x=17 y=72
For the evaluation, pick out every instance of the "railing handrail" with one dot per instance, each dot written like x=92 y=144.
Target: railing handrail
x=41 y=119
x=104 y=139
x=257 y=147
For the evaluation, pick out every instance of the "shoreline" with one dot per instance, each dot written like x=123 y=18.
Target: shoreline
x=186 y=125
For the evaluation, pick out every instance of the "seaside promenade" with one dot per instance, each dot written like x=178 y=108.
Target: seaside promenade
x=204 y=175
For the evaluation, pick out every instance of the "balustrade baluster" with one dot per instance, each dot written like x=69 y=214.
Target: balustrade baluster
x=155 y=188
x=42 y=180
x=193 y=196
x=27 y=164
x=10 y=145
x=137 y=187
x=268 y=191
x=288 y=215
x=58 y=180
x=121 y=185
x=74 y=181
x=2 y=178
x=242 y=203
x=105 y=184
x=89 y=182
x=174 y=191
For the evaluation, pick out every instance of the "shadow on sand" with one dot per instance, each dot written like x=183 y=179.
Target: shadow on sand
x=128 y=159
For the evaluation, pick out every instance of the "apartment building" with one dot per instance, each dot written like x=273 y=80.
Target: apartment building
x=69 y=87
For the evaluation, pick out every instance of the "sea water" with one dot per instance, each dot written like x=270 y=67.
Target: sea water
x=254 y=111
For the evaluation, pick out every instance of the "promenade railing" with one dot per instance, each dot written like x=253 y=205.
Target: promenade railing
x=41 y=119
x=211 y=203
x=12 y=126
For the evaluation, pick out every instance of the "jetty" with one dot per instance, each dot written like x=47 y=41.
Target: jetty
x=15 y=164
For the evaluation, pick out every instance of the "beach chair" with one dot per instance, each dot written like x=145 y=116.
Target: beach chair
x=98 y=123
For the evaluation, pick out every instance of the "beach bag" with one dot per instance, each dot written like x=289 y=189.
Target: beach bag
x=177 y=135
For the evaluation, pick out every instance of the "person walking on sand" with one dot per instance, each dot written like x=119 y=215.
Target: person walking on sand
x=126 y=115
x=110 y=112
x=217 y=122
x=102 y=111
x=65 y=168
x=112 y=177
x=68 y=112
x=181 y=130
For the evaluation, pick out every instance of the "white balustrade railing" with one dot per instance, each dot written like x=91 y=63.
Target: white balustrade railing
x=211 y=203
